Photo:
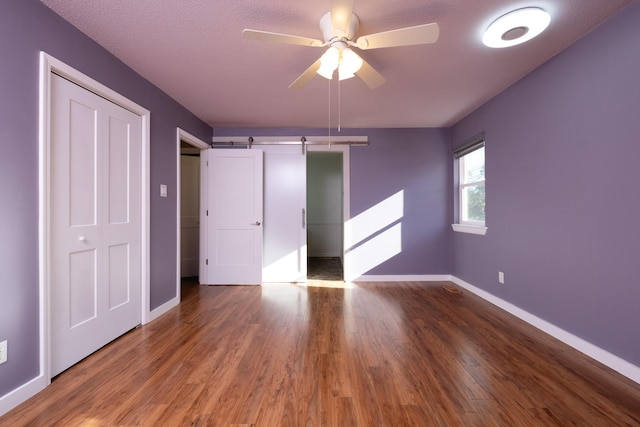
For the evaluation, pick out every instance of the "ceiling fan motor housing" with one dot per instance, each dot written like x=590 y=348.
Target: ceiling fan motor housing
x=331 y=35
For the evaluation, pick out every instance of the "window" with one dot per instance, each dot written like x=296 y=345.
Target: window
x=471 y=188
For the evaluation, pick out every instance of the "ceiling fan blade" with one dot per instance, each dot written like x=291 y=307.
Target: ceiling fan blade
x=370 y=76
x=420 y=34
x=266 y=36
x=306 y=77
x=341 y=11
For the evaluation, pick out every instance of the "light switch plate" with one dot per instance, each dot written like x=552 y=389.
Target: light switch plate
x=3 y=351
x=163 y=190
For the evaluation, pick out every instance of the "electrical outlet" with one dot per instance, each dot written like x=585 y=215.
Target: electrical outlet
x=3 y=351
x=501 y=277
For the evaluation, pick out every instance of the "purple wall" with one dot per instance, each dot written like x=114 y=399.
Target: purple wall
x=416 y=161
x=413 y=160
x=26 y=27
x=562 y=150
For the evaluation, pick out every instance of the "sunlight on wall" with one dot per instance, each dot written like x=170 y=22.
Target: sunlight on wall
x=375 y=251
x=375 y=235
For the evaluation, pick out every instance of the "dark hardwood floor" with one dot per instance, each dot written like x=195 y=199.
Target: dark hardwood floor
x=372 y=354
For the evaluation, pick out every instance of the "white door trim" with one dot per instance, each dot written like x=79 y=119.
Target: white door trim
x=203 y=269
x=182 y=135
x=48 y=65
x=346 y=204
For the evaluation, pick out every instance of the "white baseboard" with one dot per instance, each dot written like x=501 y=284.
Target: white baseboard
x=608 y=359
x=21 y=394
x=154 y=314
x=404 y=278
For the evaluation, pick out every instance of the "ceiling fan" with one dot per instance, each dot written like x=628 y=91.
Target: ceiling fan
x=339 y=27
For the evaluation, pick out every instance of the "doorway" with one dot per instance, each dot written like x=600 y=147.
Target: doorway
x=189 y=210
x=191 y=187
x=325 y=215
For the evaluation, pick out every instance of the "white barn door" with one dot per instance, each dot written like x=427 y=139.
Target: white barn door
x=95 y=249
x=285 y=214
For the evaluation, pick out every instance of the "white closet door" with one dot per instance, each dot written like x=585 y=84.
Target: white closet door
x=235 y=217
x=285 y=199
x=95 y=251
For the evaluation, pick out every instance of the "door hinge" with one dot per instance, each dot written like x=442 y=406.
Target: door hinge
x=206 y=262
x=207 y=212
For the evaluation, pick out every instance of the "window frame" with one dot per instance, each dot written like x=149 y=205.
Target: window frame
x=467 y=226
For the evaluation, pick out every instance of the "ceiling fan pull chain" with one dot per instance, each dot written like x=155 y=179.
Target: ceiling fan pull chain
x=329 y=109
x=339 y=103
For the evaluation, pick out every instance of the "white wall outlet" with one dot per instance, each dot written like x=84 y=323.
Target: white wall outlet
x=3 y=351
x=501 y=277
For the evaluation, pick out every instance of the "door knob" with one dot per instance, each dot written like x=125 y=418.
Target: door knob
x=256 y=223
x=82 y=239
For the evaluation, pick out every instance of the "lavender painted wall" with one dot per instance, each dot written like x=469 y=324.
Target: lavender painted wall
x=562 y=146
x=26 y=28
x=413 y=160
x=562 y=150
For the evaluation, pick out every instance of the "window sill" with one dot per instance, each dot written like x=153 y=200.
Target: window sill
x=471 y=229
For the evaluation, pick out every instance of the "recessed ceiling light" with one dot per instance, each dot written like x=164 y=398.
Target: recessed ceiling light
x=516 y=27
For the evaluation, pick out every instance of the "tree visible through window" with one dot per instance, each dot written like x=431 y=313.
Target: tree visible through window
x=472 y=186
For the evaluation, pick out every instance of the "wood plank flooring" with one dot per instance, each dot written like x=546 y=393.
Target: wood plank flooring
x=371 y=354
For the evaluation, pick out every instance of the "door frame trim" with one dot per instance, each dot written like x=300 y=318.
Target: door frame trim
x=194 y=141
x=49 y=65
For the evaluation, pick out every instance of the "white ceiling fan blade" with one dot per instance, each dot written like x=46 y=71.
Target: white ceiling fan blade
x=341 y=16
x=420 y=34
x=306 y=77
x=266 y=36
x=370 y=76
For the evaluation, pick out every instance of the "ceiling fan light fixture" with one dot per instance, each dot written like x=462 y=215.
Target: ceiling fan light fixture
x=326 y=73
x=516 y=27
x=344 y=74
x=350 y=61
x=329 y=61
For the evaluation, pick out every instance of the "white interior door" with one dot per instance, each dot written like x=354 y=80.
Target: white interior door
x=189 y=215
x=235 y=217
x=285 y=233
x=95 y=252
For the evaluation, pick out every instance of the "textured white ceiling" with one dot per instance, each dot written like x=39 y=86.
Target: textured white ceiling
x=194 y=51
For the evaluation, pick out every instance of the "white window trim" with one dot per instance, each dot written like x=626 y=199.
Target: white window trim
x=470 y=227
